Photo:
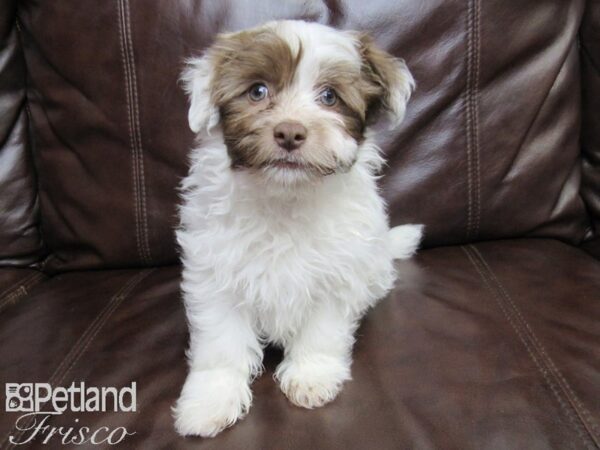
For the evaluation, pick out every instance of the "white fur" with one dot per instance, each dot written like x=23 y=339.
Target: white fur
x=404 y=240
x=202 y=115
x=271 y=257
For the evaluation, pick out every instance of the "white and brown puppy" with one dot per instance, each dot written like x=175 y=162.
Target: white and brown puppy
x=284 y=236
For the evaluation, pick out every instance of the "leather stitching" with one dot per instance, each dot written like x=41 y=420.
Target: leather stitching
x=19 y=289
x=13 y=296
x=139 y=190
x=138 y=134
x=84 y=341
x=475 y=107
x=117 y=300
x=468 y=120
x=130 y=126
x=472 y=118
x=480 y=270
x=6 y=292
x=578 y=406
x=524 y=337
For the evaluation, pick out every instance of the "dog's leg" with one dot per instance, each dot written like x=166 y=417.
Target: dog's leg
x=317 y=360
x=224 y=356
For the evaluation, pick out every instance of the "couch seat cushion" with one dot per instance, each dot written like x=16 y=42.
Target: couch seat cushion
x=493 y=345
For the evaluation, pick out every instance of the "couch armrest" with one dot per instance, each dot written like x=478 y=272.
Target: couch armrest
x=20 y=241
x=590 y=138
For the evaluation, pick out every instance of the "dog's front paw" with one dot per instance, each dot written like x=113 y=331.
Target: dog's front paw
x=313 y=381
x=210 y=401
x=404 y=240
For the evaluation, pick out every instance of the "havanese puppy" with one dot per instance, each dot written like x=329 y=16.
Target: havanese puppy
x=284 y=235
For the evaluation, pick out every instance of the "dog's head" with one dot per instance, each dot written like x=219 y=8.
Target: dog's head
x=293 y=99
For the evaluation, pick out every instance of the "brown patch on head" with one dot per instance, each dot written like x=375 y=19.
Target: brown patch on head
x=244 y=58
x=387 y=75
x=364 y=78
x=241 y=60
x=355 y=93
x=237 y=120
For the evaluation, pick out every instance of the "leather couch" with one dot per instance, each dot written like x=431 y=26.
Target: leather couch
x=491 y=338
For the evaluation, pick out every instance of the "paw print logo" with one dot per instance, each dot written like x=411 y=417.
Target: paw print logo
x=19 y=397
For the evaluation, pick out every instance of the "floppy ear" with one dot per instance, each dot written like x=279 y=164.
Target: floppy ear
x=197 y=80
x=390 y=75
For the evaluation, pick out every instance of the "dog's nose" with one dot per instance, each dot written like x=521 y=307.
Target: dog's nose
x=290 y=135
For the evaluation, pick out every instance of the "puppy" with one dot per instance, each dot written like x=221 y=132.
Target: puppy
x=284 y=235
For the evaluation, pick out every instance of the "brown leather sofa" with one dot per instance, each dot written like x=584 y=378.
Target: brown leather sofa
x=491 y=339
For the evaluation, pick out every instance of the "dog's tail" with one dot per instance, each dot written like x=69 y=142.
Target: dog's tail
x=404 y=240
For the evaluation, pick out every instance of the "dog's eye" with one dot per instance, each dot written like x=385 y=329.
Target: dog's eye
x=258 y=92
x=328 y=97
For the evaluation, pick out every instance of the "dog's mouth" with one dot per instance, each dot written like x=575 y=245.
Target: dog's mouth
x=288 y=164
x=295 y=166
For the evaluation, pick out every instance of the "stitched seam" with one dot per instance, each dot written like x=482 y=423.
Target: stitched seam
x=20 y=291
x=135 y=133
x=513 y=325
x=479 y=268
x=84 y=341
x=13 y=296
x=537 y=342
x=130 y=126
x=119 y=298
x=34 y=280
x=472 y=118
x=138 y=131
x=92 y=327
x=132 y=145
x=470 y=252
x=15 y=285
x=577 y=405
x=475 y=109
x=87 y=336
x=468 y=120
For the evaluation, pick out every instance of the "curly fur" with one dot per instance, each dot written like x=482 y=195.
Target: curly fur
x=277 y=256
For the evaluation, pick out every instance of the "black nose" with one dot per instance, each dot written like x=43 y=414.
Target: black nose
x=289 y=135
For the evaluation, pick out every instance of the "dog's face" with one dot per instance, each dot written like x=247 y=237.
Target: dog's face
x=293 y=99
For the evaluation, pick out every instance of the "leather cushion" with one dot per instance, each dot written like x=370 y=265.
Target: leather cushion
x=489 y=148
x=493 y=345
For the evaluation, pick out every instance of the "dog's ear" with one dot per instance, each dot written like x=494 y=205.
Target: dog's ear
x=390 y=75
x=197 y=81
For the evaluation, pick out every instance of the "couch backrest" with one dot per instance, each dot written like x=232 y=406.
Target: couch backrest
x=489 y=148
